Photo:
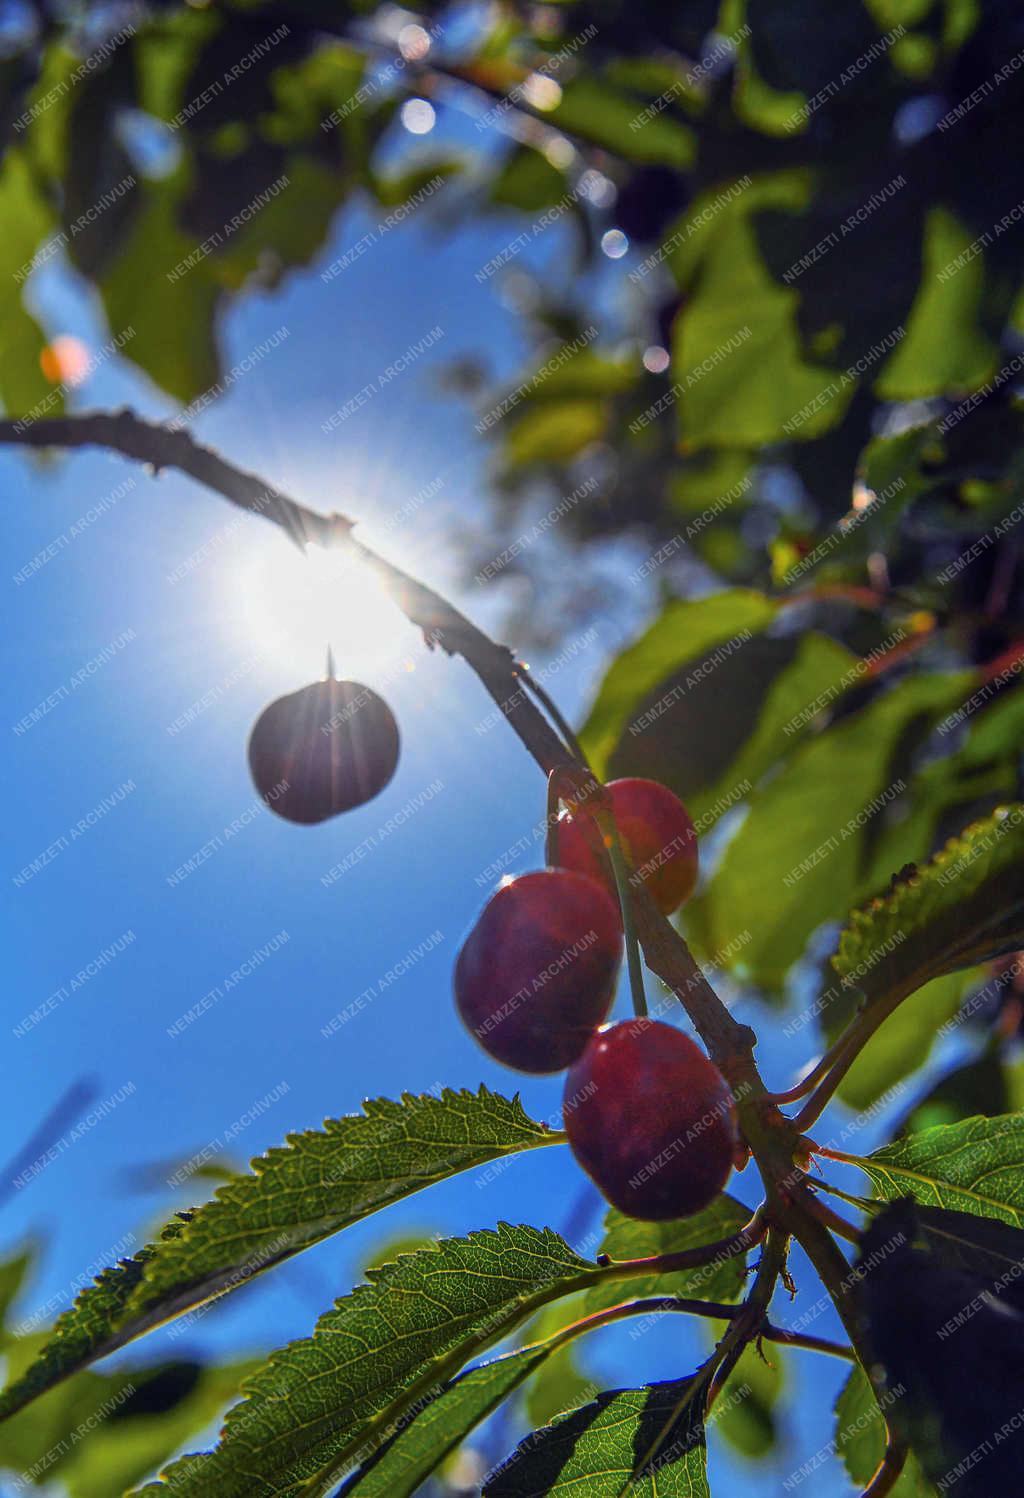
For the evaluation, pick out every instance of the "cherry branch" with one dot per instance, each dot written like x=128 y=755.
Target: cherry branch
x=442 y=624
x=771 y=1137
x=752 y=1315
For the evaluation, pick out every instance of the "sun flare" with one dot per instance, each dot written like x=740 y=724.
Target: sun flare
x=295 y=605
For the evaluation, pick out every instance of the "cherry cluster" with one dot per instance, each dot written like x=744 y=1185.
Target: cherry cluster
x=647 y=1115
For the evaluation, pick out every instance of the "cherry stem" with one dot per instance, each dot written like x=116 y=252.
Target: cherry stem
x=842 y=1157
x=843 y=1054
x=838 y=1225
x=553 y=711
x=715 y=1312
x=819 y=1101
x=862 y=1203
x=551 y=831
x=687 y=1258
x=610 y=833
x=888 y=1472
x=808 y=1083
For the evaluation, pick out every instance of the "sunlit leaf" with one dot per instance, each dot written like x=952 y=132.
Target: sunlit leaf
x=414 y=1452
x=975 y=1166
x=318 y=1183
x=796 y=860
x=321 y=1405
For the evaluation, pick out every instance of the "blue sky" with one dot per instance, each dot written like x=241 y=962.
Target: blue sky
x=196 y=614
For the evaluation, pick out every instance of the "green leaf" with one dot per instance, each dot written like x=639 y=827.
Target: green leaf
x=976 y=1166
x=318 y=1183
x=595 y=1450
x=320 y=1405
x=796 y=861
x=629 y=1238
x=860 y=1438
x=30 y=230
x=963 y=907
x=894 y=465
x=555 y=431
x=173 y=338
x=585 y=374
x=685 y=632
x=994 y=733
x=14 y=1272
x=723 y=730
x=89 y=1329
x=737 y=352
x=437 y=1429
x=528 y=182
x=945 y=348
x=594 y=110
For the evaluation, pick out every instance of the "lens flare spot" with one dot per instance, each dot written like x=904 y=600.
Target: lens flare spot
x=418 y=116
x=65 y=361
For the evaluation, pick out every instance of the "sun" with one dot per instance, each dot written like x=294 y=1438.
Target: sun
x=293 y=605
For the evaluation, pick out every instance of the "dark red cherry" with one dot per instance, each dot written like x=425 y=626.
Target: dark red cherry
x=536 y=975
x=651 y=1120
x=323 y=750
x=658 y=839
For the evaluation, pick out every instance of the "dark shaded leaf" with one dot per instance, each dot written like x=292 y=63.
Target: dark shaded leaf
x=942 y=1296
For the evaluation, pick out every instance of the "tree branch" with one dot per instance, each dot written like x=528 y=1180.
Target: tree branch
x=442 y=624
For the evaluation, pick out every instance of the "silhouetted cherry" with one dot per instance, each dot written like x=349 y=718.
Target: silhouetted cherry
x=651 y=1120
x=536 y=974
x=323 y=750
x=657 y=836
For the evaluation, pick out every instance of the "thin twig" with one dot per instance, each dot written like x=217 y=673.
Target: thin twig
x=688 y=1258
x=553 y=711
x=832 y=1220
x=750 y=1321
x=817 y=1072
x=715 y=1312
x=71 y=1101
x=889 y=1469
